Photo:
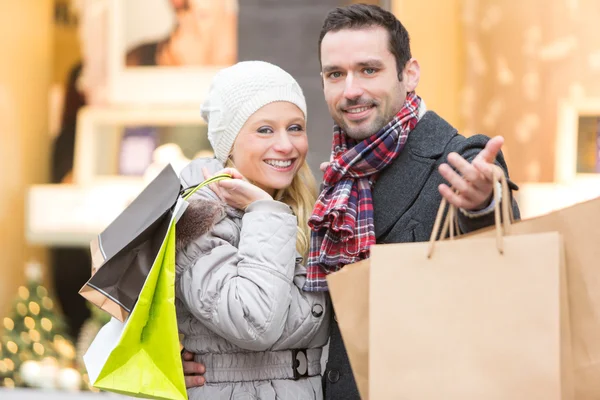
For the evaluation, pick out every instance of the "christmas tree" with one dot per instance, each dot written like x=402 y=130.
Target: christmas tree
x=33 y=343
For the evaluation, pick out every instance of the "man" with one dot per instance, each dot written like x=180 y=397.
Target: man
x=383 y=184
x=392 y=160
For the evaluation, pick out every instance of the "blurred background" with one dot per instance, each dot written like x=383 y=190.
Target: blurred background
x=96 y=96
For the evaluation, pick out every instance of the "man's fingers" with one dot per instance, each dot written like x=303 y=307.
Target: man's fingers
x=324 y=166
x=193 y=371
x=455 y=180
x=491 y=150
x=486 y=169
x=187 y=355
x=194 y=381
x=192 y=367
x=452 y=197
x=465 y=168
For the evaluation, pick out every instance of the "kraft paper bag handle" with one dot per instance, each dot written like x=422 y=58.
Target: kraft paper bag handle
x=452 y=216
x=451 y=220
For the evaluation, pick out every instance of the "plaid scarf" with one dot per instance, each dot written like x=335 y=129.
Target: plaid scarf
x=342 y=229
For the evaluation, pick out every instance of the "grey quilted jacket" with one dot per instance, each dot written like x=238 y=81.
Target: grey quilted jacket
x=240 y=302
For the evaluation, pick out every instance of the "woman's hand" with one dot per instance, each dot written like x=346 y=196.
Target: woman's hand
x=237 y=192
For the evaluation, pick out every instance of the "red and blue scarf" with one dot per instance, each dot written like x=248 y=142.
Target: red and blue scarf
x=341 y=224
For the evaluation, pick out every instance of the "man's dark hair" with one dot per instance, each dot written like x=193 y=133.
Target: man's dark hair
x=358 y=16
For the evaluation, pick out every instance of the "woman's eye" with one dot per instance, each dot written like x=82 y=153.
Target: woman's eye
x=296 y=128
x=265 y=130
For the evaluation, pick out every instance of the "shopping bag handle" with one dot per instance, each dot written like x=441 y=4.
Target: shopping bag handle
x=191 y=190
x=451 y=220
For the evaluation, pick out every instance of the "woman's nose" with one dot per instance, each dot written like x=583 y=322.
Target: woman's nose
x=283 y=144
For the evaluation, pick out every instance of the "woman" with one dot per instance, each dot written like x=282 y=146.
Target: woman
x=241 y=245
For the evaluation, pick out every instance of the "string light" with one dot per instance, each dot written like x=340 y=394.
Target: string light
x=9 y=324
x=34 y=307
x=3 y=368
x=34 y=335
x=64 y=348
x=47 y=303
x=46 y=324
x=10 y=365
x=25 y=337
x=38 y=348
x=9 y=383
x=12 y=347
x=29 y=323
x=23 y=292
x=22 y=309
x=41 y=291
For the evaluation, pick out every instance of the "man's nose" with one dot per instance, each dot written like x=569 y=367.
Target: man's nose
x=352 y=90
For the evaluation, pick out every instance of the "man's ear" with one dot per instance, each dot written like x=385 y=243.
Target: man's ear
x=411 y=75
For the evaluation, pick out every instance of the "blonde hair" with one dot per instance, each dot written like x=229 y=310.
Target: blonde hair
x=301 y=196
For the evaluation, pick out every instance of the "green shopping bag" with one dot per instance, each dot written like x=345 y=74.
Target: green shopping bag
x=141 y=356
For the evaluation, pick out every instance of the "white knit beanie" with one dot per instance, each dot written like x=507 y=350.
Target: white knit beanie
x=239 y=91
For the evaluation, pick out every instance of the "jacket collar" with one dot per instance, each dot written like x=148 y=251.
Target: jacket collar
x=401 y=182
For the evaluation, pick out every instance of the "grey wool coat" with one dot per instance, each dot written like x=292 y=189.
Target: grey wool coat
x=239 y=299
x=406 y=200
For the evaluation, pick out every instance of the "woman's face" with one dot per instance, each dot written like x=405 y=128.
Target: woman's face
x=271 y=146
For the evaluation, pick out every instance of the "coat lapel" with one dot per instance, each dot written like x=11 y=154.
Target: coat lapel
x=400 y=183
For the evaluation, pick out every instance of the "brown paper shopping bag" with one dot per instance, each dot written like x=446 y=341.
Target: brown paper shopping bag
x=349 y=290
x=579 y=226
x=476 y=318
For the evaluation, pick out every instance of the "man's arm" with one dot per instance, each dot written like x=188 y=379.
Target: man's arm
x=472 y=182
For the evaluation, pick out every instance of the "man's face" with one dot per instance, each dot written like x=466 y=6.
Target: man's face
x=360 y=80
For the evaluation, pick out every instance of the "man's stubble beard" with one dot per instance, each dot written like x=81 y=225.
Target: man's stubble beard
x=363 y=132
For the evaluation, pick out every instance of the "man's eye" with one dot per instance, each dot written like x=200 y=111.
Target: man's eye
x=370 y=71
x=335 y=74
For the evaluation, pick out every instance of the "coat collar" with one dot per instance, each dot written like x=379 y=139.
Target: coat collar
x=401 y=182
